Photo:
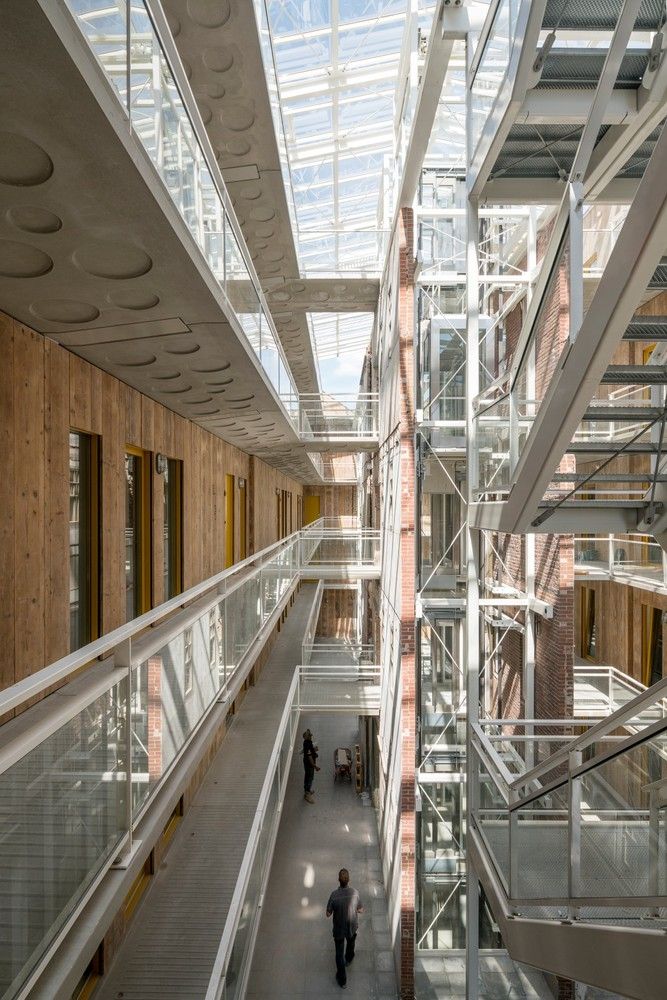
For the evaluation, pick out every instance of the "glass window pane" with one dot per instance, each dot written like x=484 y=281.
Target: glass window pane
x=133 y=503
x=82 y=539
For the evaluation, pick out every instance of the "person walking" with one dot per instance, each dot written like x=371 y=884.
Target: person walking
x=344 y=906
x=309 y=766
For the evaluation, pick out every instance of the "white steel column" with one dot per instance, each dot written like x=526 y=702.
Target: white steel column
x=472 y=626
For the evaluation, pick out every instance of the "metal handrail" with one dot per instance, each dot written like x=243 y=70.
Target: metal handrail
x=216 y=985
x=65 y=667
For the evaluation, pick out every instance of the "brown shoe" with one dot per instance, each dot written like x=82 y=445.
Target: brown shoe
x=309 y=797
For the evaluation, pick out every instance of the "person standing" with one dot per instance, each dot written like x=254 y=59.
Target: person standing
x=309 y=765
x=344 y=906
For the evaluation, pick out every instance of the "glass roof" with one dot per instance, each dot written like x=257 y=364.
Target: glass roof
x=337 y=66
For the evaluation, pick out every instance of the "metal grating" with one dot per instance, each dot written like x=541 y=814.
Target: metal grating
x=659 y=279
x=580 y=69
x=647 y=328
x=598 y=15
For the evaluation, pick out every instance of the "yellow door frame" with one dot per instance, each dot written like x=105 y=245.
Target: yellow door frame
x=144 y=589
x=229 y=520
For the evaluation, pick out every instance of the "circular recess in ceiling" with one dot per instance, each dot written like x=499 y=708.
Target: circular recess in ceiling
x=262 y=213
x=251 y=192
x=209 y=14
x=298 y=286
x=168 y=376
x=214 y=370
x=321 y=296
x=215 y=91
x=112 y=260
x=173 y=22
x=206 y=413
x=220 y=384
x=34 y=219
x=176 y=392
x=205 y=112
x=199 y=401
x=218 y=59
x=237 y=146
x=64 y=311
x=218 y=392
x=131 y=298
x=241 y=399
x=183 y=351
x=142 y=362
x=22 y=162
x=187 y=67
x=339 y=289
x=261 y=246
x=369 y=289
x=238 y=119
x=273 y=255
x=268 y=268
x=21 y=260
x=254 y=255
x=266 y=232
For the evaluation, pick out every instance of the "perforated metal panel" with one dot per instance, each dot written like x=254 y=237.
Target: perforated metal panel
x=597 y=15
x=581 y=69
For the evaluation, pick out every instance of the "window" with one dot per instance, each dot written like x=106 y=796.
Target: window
x=173 y=528
x=588 y=629
x=84 y=534
x=243 y=519
x=229 y=521
x=651 y=645
x=137 y=532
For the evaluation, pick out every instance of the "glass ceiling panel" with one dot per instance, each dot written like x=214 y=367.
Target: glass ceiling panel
x=337 y=63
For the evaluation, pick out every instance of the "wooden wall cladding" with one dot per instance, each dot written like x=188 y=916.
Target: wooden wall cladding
x=335 y=501
x=44 y=392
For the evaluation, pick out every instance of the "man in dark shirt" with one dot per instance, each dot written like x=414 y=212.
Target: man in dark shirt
x=344 y=906
x=309 y=765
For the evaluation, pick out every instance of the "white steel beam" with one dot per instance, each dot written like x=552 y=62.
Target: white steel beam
x=456 y=23
x=573 y=107
x=548 y=190
x=638 y=250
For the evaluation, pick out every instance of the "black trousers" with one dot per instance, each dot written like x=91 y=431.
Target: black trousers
x=308 y=775
x=344 y=953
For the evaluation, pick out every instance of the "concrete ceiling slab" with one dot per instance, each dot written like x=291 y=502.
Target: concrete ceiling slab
x=222 y=56
x=94 y=254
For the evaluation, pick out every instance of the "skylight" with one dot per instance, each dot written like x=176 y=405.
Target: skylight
x=337 y=65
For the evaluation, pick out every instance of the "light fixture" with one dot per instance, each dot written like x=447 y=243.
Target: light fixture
x=241 y=483
x=161 y=464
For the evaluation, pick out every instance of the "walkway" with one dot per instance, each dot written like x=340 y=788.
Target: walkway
x=174 y=938
x=294 y=954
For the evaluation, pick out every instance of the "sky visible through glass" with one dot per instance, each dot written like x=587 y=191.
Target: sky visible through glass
x=337 y=66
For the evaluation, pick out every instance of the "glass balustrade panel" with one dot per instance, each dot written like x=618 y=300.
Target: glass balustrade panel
x=63 y=816
x=539 y=847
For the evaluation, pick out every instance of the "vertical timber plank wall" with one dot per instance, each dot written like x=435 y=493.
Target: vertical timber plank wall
x=44 y=391
x=335 y=501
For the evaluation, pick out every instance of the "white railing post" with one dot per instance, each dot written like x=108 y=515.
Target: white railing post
x=122 y=657
x=574 y=827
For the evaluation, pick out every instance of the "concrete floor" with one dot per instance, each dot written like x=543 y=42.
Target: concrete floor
x=294 y=952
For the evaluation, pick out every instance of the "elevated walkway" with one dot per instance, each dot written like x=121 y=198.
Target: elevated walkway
x=294 y=955
x=172 y=945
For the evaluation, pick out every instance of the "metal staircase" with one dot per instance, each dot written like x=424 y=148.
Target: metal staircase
x=571 y=846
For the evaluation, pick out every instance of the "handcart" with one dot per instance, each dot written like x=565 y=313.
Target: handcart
x=343 y=764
